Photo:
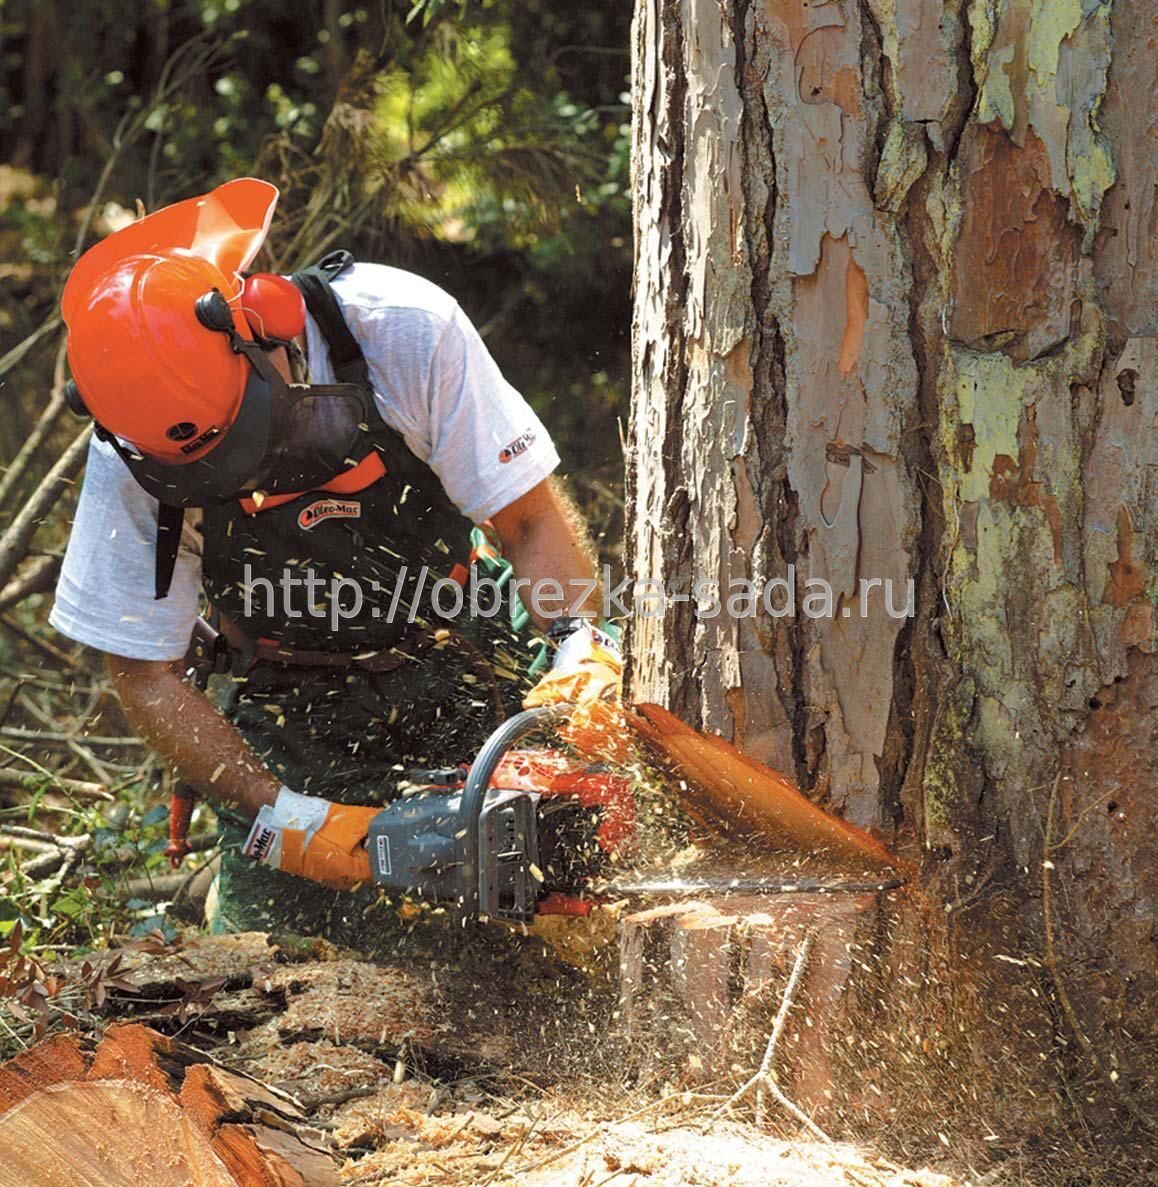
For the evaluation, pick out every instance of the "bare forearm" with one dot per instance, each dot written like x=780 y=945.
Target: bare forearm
x=187 y=731
x=547 y=542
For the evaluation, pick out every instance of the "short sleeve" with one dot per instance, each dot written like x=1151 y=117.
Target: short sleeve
x=104 y=597
x=438 y=386
x=487 y=446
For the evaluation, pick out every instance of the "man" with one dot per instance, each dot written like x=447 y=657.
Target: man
x=308 y=516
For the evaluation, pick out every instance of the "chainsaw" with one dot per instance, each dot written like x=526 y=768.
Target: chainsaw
x=515 y=834
x=522 y=832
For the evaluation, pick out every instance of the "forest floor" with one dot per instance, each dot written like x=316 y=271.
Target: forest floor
x=419 y=1073
x=556 y=1140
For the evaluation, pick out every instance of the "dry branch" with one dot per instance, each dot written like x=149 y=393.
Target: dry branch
x=17 y=539
x=12 y=357
x=38 y=576
x=35 y=780
x=59 y=737
x=764 y=1079
x=43 y=645
x=15 y=472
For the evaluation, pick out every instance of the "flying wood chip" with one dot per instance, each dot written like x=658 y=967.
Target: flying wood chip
x=739 y=798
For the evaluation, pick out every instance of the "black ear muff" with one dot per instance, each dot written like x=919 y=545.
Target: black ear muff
x=213 y=311
x=75 y=400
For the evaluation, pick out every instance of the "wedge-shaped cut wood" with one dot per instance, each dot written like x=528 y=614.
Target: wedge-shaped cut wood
x=737 y=797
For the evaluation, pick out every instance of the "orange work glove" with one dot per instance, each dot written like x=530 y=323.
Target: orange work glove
x=587 y=674
x=313 y=838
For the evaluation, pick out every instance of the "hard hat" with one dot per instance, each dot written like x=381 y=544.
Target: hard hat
x=157 y=316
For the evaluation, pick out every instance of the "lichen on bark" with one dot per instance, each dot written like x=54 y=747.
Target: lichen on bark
x=895 y=317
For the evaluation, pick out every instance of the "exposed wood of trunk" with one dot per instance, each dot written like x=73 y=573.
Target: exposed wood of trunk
x=141 y=1110
x=690 y=974
x=894 y=318
x=740 y=798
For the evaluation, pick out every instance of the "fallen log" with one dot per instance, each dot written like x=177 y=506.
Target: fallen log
x=138 y=1109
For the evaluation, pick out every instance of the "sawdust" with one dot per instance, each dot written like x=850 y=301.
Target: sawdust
x=308 y=1070
x=352 y=1001
x=236 y=957
x=514 y=1069
x=552 y=1145
x=588 y=942
x=370 y=1121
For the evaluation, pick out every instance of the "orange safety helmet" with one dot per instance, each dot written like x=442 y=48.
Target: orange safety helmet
x=166 y=338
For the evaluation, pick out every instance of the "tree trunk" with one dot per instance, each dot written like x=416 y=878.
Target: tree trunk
x=894 y=321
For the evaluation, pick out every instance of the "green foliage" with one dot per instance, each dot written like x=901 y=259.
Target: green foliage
x=86 y=905
x=462 y=149
x=483 y=144
x=427 y=10
x=36 y=229
x=492 y=96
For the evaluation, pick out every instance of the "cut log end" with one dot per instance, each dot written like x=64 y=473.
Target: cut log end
x=141 y=1110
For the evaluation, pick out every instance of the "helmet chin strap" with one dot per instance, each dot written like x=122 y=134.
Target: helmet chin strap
x=214 y=313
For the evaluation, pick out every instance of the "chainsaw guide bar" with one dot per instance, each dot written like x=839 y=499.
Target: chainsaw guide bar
x=524 y=832
x=724 y=886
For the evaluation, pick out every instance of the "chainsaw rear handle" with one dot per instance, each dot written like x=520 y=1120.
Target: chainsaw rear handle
x=180 y=814
x=474 y=792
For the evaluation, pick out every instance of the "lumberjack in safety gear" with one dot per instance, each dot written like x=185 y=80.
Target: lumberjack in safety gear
x=178 y=356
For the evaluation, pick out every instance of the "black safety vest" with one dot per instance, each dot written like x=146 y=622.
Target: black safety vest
x=340 y=572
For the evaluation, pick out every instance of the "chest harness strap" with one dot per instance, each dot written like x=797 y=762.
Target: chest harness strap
x=349 y=366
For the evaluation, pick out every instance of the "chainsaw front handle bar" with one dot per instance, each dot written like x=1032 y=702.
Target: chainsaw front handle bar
x=478 y=782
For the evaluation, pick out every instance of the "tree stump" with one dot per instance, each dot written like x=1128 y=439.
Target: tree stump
x=138 y=1109
x=689 y=971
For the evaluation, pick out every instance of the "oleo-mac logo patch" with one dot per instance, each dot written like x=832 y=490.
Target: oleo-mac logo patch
x=311 y=516
x=519 y=445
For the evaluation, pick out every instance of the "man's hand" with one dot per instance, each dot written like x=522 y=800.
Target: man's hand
x=587 y=668
x=587 y=674
x=313 y=838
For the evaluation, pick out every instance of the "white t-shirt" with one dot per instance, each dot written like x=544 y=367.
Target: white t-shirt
x=435 y=383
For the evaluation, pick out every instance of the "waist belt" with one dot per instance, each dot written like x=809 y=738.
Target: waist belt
x=251 y=651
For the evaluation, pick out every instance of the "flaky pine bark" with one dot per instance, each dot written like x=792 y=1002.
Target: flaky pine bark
x=894 y=318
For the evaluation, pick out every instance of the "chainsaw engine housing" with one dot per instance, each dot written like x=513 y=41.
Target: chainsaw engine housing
x=545 y=826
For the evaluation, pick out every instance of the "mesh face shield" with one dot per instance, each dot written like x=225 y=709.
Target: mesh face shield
x=317 y=434
x=285 y=437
